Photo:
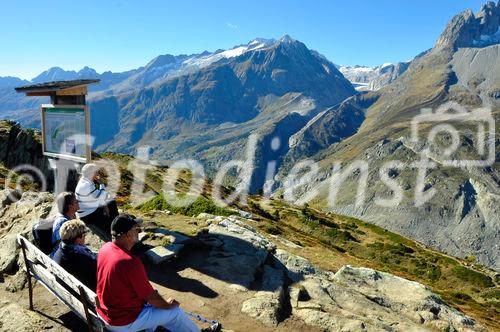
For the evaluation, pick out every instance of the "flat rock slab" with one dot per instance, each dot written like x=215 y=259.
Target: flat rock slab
x=297 y=267
x=159 y=255
x=176 y=238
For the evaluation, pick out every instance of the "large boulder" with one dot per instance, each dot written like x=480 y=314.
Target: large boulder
x=240 y=252
x=9 y=196
x=408 y=298
x=8 y=253
x=362 y=299
x=241 y=233
x=267 y=304
x=295 y=266
x=17 y=217
x=20 y=146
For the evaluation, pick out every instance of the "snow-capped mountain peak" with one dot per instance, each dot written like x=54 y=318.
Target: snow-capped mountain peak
x=205 y=60
x=373 y=78
x=265 y=41
x=286 y=39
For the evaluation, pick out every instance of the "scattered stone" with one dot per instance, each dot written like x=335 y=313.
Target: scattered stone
x=294 y=294
x=238 y=288
x=174 y=236
x=162 y=235
x=262 y=307
x=307 y=305
x=242 y=253
x=159 y=254
x=236 y=268
x=353 y=299
x=211 y=241
x=230 y=221
x=245 y=214
x=163 y=253
x=176 y=248
x=297 y=267
x=205 y=215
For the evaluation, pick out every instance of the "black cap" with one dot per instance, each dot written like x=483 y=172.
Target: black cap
x=122 y=224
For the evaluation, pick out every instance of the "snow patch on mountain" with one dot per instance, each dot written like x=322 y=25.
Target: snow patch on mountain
x=206 y=60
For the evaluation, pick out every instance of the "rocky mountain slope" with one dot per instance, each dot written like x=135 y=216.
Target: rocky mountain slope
x=462 y=216
x=244 y=278
x=209 y=114
x=20 y=147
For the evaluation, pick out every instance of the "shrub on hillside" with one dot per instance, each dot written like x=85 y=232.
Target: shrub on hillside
x=475 y=278
x=201 y=204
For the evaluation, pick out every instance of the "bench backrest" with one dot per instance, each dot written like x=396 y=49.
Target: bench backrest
x=69 y=290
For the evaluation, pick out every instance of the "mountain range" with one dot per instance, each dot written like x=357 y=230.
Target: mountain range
x=461 y=218
x=205 y=106
x=373 y=78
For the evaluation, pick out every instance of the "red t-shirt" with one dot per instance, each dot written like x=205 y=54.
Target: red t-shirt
x=122 y=285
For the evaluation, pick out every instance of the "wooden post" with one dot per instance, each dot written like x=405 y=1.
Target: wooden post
x=30 y=286
x=86 y=308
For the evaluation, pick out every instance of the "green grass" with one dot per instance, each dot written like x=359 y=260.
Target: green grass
x=24 y=182
x=387 y=234
x=272 y=229
x=201 y=204
x=257 y=209
x=473 y=277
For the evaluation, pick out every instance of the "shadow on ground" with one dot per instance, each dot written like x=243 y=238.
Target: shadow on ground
x=227 y=258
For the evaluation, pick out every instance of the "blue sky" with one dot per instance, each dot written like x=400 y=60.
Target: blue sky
x=120 y=35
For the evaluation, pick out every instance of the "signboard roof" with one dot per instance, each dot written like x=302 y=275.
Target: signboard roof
x=51 y=87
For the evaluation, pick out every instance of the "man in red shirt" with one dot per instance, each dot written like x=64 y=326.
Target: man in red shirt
x=127 y=301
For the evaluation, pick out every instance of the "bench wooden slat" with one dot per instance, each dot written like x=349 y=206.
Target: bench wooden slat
x=59 y=282
x=50 y=282
x=36 y=255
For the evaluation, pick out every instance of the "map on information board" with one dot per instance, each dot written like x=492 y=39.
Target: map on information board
x=64 y=131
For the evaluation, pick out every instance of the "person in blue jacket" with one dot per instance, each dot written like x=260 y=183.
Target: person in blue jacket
x=74 y=256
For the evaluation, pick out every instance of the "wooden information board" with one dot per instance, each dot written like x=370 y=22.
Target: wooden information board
x=66 y=132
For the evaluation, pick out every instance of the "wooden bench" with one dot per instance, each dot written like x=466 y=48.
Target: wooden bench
x=69 y=290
